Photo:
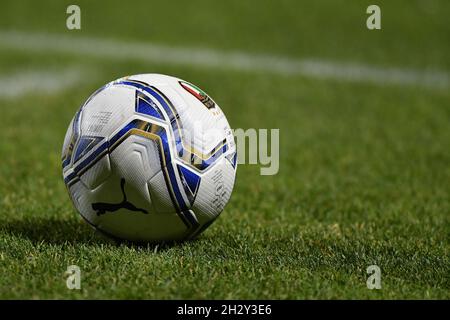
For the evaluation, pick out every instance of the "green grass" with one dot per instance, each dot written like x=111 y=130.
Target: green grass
x=364 y=170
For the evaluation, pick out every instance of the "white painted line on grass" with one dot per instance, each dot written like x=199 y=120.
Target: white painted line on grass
x=208 y=58
x=23 y=82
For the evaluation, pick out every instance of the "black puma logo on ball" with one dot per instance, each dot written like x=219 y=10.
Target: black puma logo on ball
x=102 y=207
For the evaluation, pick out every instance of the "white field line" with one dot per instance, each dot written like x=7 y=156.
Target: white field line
x=42 y=81
x=208 y=58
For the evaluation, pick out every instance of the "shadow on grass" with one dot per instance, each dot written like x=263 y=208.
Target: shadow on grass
x=51 y=231
x=69 y=231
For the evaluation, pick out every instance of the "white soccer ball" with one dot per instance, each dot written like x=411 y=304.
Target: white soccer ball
x=149 y=158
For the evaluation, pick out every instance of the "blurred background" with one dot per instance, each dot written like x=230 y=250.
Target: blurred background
x=364 y=139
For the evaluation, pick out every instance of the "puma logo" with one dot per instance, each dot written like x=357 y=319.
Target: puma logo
x=102 y=207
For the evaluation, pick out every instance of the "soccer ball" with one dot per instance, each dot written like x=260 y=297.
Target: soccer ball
x=149 y=158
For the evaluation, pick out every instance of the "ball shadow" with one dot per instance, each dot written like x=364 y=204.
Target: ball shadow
x=50 y=230
x=41 y=230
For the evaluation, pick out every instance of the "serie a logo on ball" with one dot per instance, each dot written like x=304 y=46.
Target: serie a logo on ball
x=149 y=158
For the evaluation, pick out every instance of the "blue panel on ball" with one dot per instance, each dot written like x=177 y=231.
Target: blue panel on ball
x=146 y=106
x=192 y=179
x=85 y=145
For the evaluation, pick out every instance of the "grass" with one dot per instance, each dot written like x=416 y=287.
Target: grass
x=364 y=170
